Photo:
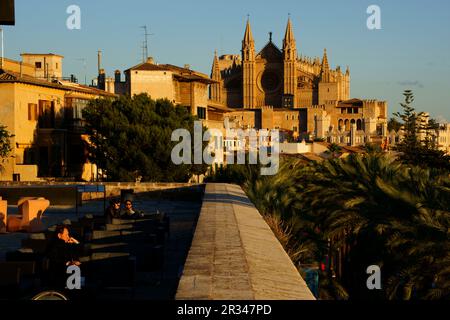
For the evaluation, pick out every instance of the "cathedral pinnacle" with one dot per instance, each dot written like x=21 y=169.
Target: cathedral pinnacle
x=289 y=35
x=325 y=65
x=248 y=36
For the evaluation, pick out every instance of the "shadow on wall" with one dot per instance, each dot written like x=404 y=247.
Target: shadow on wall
x=57 y=148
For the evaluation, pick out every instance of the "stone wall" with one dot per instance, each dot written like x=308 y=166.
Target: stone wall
x=235 y=255
x=64 y=193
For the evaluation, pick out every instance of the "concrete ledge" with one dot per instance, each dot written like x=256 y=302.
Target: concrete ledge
x=235 y=255
x=64 y=193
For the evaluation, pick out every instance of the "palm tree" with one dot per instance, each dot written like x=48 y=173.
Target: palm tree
x=334 y=150
x=359 y=211
x=393 y=215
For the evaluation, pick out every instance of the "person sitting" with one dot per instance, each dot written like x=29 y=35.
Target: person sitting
x=113 y=211
x=63 y=252
x=129 y=213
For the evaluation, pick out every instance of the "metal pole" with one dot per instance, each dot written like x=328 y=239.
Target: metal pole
x=1 y=62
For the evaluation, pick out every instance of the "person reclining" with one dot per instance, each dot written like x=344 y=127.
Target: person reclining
x=129 y=213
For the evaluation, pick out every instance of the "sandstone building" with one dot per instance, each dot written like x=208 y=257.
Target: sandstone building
x=43 y=112
x=277 y=88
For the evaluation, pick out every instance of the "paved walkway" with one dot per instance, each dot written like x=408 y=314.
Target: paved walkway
x=235 y=255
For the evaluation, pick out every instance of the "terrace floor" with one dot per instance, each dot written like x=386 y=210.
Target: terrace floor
x=149 y=285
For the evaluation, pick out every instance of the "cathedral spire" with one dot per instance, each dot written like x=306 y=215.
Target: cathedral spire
x=248 y=36
x=289 y=46
x=289 y=35
x=248 y=68
x=290 y=67
x=215 y=67
x=325 y=65
x=215 y=89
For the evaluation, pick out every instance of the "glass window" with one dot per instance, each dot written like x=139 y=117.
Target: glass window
x=201 y=113
x=32 y=111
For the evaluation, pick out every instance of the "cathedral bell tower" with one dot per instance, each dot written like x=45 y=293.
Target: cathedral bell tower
x=216 y=88
x=248 y=68
x=290 y=70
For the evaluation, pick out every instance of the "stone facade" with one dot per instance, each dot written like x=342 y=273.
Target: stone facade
x=182 y=86
x=47 y=66
x=45 y=119
x=276 y=88
x=443 y=137
x=275 y=77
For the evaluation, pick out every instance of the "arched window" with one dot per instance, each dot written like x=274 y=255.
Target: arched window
x=358 y=124
x=340 y=124
x=347 y=125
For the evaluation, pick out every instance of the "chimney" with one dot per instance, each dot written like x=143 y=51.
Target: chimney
x=150 y=60
x=117 y=76
x=101 y=79
x=99 y=61
x=187 y=66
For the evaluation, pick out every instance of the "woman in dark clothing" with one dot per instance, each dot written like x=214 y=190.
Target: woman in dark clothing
x=113 y=210
x=129 y=213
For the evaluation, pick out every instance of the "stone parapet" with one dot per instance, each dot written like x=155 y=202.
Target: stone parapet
x=235 y=255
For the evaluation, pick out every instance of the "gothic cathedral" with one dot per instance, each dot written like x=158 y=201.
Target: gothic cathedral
x=276 y=78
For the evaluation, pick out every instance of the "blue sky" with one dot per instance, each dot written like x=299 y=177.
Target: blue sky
x=411 y=51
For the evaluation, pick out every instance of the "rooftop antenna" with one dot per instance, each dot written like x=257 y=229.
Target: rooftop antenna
x=143 y=52
x=84 y=68
x=145 y=46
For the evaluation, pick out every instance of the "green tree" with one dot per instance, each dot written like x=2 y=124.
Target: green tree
x=334 y=149
x=372 y=148
x=362 y=210
x=5 y=145
x=130 y=137
x=412 y=150
x=410 y=125
x=431 y=129
x=394 y=124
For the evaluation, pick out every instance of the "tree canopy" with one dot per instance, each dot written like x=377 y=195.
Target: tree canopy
x=414 y=151
x=348 y=214
x=5 y=145
x=130 y=137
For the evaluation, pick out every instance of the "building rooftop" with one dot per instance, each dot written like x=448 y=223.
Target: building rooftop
x=13 y=77
x=182 y=74
x=42 y=54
